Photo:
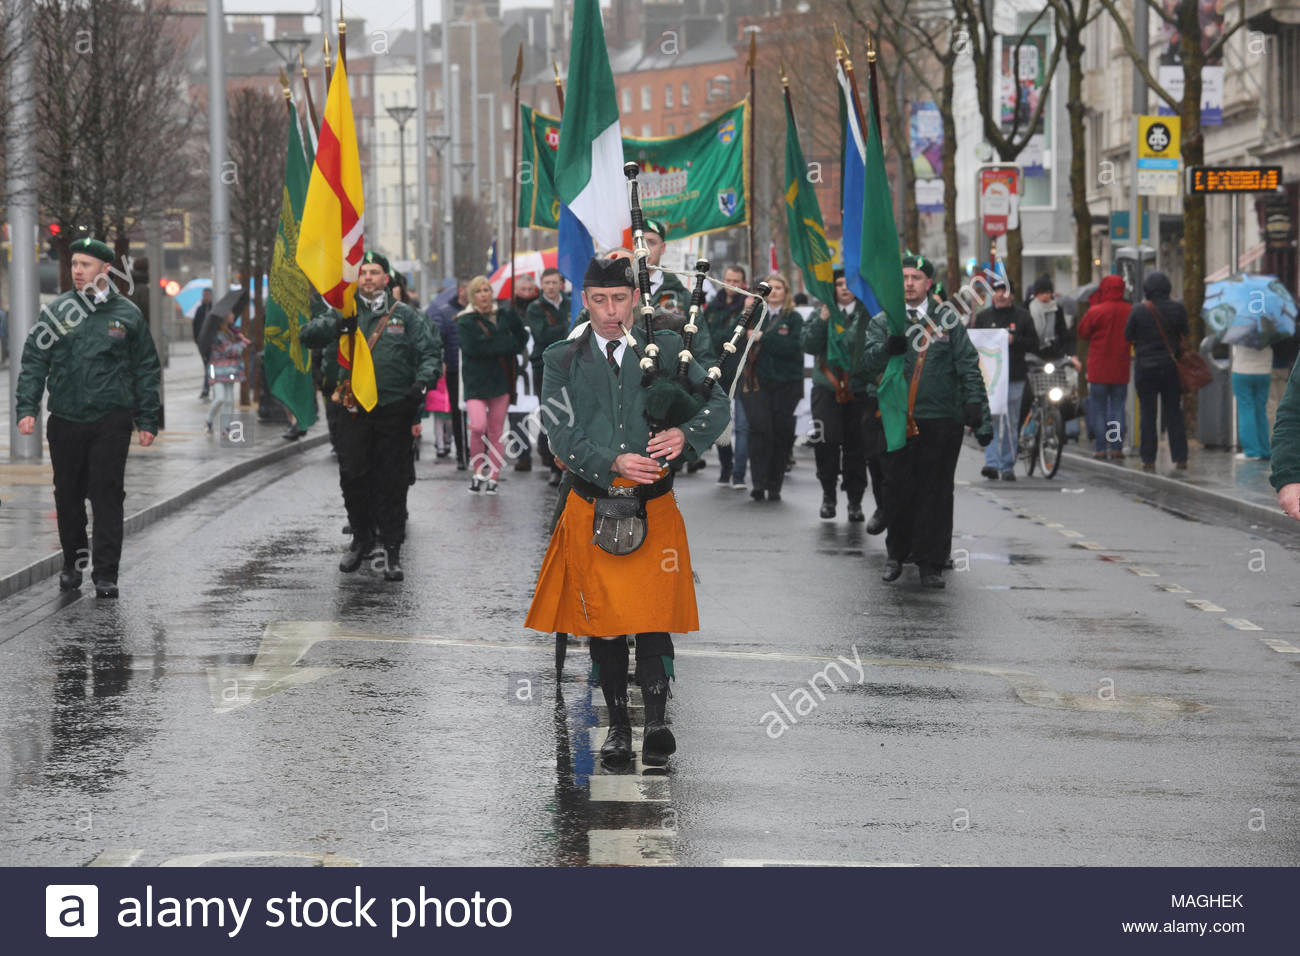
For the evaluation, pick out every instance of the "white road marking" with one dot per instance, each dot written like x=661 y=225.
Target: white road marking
x=597 y=737
x=116 y=858
x=1203 y=605
x=1090 y=545
x=631 y=847
x=1241 y=624
x=1173 y=588
x=1143 y=572
x=1281 y=646
x=855 y=863
x=627 y=788
x=1070 y=534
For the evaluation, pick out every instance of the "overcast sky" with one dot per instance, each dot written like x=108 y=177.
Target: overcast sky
x=379 y=14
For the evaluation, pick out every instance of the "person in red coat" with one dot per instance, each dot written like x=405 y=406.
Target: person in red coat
x=1109 y=358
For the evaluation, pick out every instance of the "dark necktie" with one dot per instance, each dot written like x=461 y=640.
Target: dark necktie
x=610 y=348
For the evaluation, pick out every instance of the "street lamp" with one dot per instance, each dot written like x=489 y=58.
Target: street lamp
x=289 y=48
x=401 y=115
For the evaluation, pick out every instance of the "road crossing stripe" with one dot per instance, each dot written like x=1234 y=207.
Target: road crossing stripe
x=628 y=788
x=1144 y=572
x=1090 y=545
x=1281 y=646
x=1173 y=588
x=116 y=858
x=1241 y=624
x=1070 y=534
x=1203 y=605
x=631 y=847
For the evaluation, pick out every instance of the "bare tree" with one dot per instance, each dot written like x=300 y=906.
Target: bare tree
x=1195 y=54
x=115 y=119
x=473 y=235
x=259 y=132
x=976 y=19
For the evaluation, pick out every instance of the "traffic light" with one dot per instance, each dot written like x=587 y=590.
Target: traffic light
x=51 y=243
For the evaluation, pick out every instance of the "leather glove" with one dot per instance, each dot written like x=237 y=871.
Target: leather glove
x=416 y=392
x=973 y=415
x=896 y=344
x=346 y=326
x=984 y=438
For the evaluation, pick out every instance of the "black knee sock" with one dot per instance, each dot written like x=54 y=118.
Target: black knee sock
x=609 y=659
x=654 y=661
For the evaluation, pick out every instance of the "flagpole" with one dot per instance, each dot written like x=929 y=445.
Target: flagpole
x=753 y=111
x=846 y=60
x=514 y=164
x=559 y=87
x=343 y=41
x=871 y=77
x=329 y=70
x=311 y=103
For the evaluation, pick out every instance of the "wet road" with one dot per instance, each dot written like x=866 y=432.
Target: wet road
x=1102 y=682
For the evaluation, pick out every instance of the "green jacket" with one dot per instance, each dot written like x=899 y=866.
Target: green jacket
x=672 y=293
x=548 y=325
x=814 y=340
x=951 y=377
x=409 y=350
x=601 y=416
x=780 y=350
x=489 y=353
x=1286 y=435
x=95 y=358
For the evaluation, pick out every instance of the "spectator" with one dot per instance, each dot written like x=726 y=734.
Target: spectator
x=1252 y=374
x=525 y=293
x=491 y=338
x=1000 y=455
x=1285 y=478
x=1156 y=327
x=1051 y=331
x=200 y=315
x=444 y=311
x=226 y=367
x=1109 y=357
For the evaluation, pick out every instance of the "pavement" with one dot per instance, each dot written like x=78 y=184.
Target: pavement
x=183 y=464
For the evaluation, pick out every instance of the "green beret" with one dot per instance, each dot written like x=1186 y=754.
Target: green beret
x=658 y=228
x=605 y=273
x=915 y=261
x=93 y=247
x=376 y=258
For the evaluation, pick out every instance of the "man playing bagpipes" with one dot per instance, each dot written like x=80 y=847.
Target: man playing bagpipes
x=619 y=562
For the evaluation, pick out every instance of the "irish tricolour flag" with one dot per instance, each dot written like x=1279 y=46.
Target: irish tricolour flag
x=589 y=167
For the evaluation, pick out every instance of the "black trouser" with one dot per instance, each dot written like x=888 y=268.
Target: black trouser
x=457 y=419
x=840 y=449
x=374 y=454
x=654 y=652
x=89 y=460
x=770 y=411
x=919 y=494
x=332 y=412
x=874 y=445
x=1161 y=383
x=543 y=443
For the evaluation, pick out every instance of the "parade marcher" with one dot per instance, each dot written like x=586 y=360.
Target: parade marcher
x=1109 y=358
x=444 y=315
x=200 y=316
x=1157 y=327
x=840 y=404
x=666 y=290
x=525 y=292
x=1285 y=445
x=491 y=338
x=606 y=592
x=226 y=368
x=93 y=349
x=374 y=446
x=548 y=321
x=946 y=393
x=1004 y=313
x=771 y=388
x=720 y=318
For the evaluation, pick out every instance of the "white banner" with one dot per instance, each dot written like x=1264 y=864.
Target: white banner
x=994 y=350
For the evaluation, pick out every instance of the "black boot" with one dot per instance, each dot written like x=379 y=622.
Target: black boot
x=828 y=507
x=355 y=554
x=69 y=578
x=855 y=511
x=393 y=563
x=657 y=739
x=877 y=522
x=610 y=658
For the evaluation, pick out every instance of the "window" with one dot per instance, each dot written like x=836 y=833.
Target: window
x=668 y=97
x=686 y=94
x=647 y=98
x=546 y=105
x=719 y=86
x=646 y=130
x=627 y=99
x=365 y=84
x=1288 y=76
x=507 y=115
x=672 y=129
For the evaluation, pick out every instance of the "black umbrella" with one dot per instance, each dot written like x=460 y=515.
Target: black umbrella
x=232 y=303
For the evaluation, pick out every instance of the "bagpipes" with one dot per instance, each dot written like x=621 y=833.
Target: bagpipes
x=672 y=397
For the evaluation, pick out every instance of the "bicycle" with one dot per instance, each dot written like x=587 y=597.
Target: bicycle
x=1042 y=432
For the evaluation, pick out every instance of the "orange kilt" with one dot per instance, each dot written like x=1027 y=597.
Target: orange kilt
x=585 y=591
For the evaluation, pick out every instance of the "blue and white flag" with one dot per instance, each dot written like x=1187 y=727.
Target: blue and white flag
x=851 y=195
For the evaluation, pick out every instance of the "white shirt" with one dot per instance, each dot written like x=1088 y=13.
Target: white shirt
x=375 y=303
x=1247 y=361
x=604 y=349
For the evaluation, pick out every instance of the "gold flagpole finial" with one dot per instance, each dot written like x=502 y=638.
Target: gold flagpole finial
x=302 y=65
x=785 y=80
x=871 y=48
x=284 y=82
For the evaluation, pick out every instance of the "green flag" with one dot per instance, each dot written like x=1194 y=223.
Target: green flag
x=287 y=363
x=881 y=265
x=808 y=246
x=694 y=183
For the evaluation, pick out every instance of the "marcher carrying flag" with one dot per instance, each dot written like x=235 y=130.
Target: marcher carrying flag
x=332 y=241
x=589 y=167
x=808 y=246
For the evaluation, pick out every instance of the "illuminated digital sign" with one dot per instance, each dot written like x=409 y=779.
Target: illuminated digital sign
x=1234 y=179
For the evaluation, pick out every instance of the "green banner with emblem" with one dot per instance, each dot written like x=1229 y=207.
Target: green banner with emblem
x=694 y=183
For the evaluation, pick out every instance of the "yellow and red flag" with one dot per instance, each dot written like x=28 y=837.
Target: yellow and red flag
x=332 y=240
